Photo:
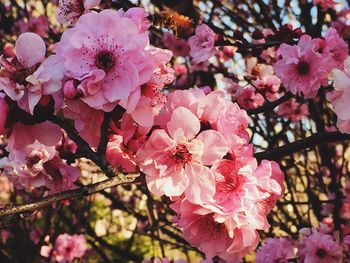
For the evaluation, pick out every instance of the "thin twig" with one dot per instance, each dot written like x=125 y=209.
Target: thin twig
x=80 y=192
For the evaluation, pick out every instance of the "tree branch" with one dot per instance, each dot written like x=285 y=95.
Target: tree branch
x=311 y=141
x=80 y=192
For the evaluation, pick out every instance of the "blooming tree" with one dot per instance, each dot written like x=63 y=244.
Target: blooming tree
x=174 y=131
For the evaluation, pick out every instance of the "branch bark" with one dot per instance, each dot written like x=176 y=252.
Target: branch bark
x=311 y=141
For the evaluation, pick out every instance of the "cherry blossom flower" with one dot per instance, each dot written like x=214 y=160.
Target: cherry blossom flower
x=174 y=160
x=106 y=52
x=119 y=156
x=38 y=25
x=248 y=98
x=269 y=86
x=293 y=110
x=202 y=44
x=69 y=11
x=140 y=18
x=336 y=47
x=37 y=165
x=214 y=233
x=319 y=247
x=24 y=79
x=69 y=247
x=275 y=250
x=178 y=46
x=301 y=68
x=339 y=98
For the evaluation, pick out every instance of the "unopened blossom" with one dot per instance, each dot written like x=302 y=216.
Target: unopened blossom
x=68 y=11
x=106 y=53
x=275 y=250
x=340 y=96
x=69 y=247
x=319 y=247
x=293 y=110
x=301 y=69
x=202 y=44
x=28 y=77
x=174 y=160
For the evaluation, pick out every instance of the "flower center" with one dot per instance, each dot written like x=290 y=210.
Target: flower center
x=231 y=178
x=303 y=68
x=321 y=253
x=31 y=161
x=181 y=155
x=105 y=60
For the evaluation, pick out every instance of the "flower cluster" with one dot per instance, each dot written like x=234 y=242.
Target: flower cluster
x=304 y=67
x=67 y=248
x=313 y=245
x=201 y=158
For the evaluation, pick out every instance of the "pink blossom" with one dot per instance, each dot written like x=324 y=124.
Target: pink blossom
x=119 y=156
x=87 y=120
x=301 y=68
x=146 y=102
x=38 y=25
x=213 y=233
x=25 y=168
x=25 y=79
x=339 y=98
x=106 y=52
x=319 y=247
x=4 y=110
x=178 y=46
x=139 y=16
x=46 y=133
x=268 y=85
x=248 y=98
x=293 y=110
x=336 y=47
x=174 y=160
x=69 y=247
x=275 y=250
x=325 y=4
x=202 y=44
x=37 y=165
x=69 y=11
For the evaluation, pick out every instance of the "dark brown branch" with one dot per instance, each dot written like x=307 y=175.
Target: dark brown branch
x=101 y=149
x=311 y=141
x=80 y=192
x=83 y=146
